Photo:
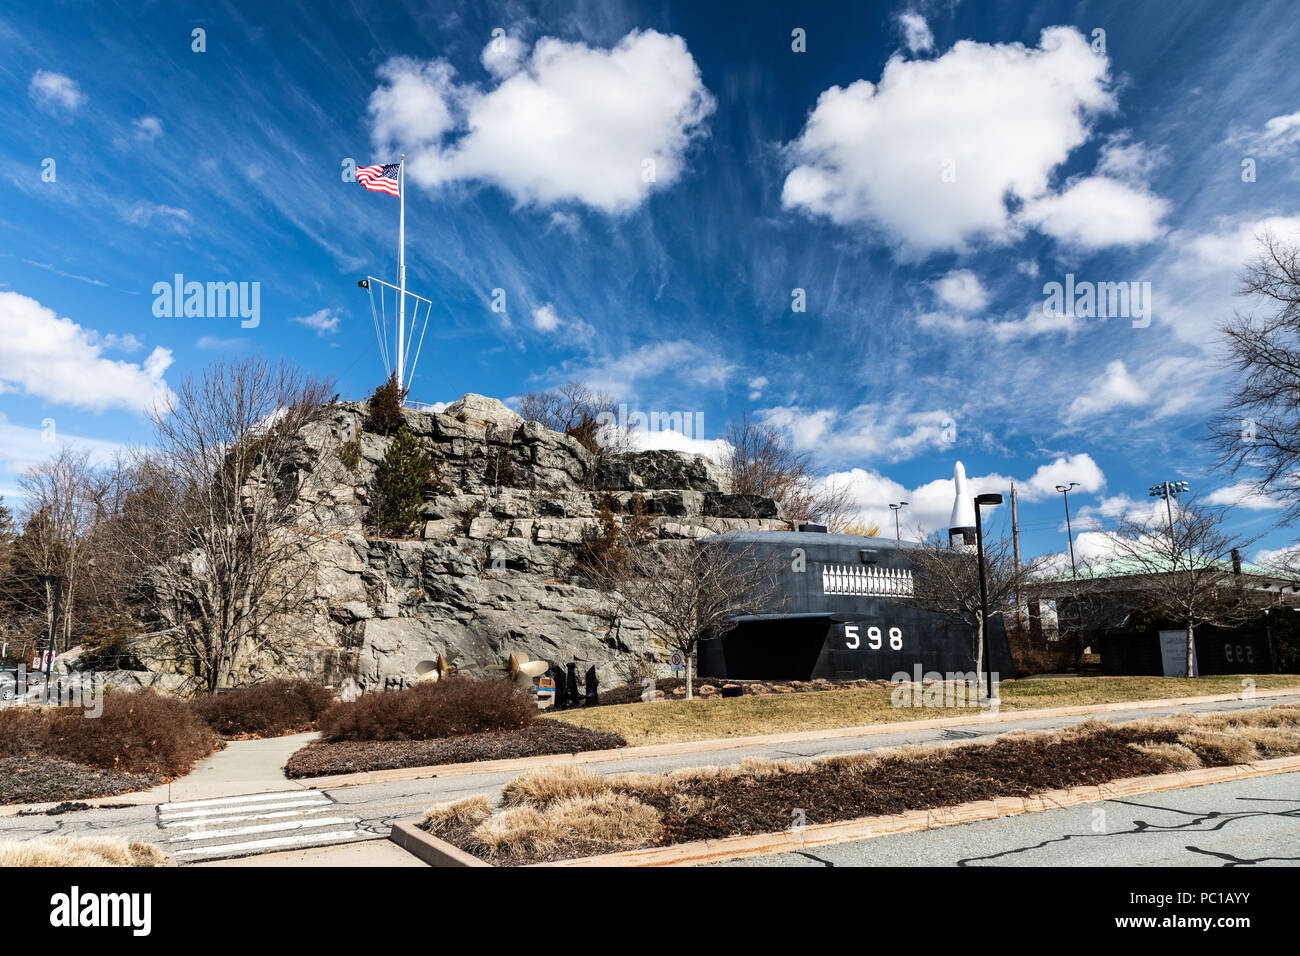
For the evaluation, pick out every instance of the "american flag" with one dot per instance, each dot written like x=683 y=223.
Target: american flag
x=380 y=179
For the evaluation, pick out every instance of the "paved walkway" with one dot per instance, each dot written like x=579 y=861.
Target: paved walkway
x=242 y=766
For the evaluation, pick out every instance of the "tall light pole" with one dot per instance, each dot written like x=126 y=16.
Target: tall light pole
x=1168 y=490
x=898 y=532
x=1069 y=532
x=980 y=501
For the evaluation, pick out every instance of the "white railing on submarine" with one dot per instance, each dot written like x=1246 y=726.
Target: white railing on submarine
x=867 y=581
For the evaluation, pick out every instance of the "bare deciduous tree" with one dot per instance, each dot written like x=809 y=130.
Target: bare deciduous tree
x=583 y=413
x=60 y=497
x=1258 y=433
x=946 y=582
x=760 y=460
x=232 y=512
x=683 y=592
x=1183 y=567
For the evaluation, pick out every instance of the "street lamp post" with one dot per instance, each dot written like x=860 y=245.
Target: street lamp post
x=1069 y=532
x=980 y=501
x=898 y=533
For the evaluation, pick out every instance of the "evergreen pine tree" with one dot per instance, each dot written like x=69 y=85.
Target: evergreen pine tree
x=386 y=407
x=399 y=485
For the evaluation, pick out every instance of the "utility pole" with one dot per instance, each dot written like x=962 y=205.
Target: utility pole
x=1015 y=548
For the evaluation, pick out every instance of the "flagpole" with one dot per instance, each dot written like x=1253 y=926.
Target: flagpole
x=401 y=272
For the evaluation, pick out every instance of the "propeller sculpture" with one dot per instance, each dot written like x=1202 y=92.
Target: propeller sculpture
x=520 y=669
x=437 y=669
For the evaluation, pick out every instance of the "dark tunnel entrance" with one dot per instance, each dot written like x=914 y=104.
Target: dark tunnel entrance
x=776 y=649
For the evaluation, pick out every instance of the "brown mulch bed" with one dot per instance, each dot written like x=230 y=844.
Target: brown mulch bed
x=46 y=779
x=1013 y=768
x=541 y=738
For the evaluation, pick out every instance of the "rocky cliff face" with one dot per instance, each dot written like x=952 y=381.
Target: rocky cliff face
x=492 y=571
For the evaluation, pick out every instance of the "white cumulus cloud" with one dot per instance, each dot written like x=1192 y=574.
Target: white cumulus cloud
x=62 y=362
x=573 y=124
x=930 y=154
x=1098 y=211
x=962 y=290
x=504 y=56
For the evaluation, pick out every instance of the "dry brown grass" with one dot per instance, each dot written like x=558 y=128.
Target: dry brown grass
x=648 y=784
x=1278 y=739
x=541 y=788
x=1173 y=756
x=470 y=811
x=613 y=821
x=676 y=720
x=1227 y=747
x=849 y=763
x=79 y=851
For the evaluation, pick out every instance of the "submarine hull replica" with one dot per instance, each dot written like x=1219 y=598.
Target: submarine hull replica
x=845 y=613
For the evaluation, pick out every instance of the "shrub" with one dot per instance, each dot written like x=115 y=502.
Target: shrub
x=22 y=731
x=138 y=732
x=399 y=485
x=265 y=710
x=386 y=407
x=451 y=707
x=350 y=453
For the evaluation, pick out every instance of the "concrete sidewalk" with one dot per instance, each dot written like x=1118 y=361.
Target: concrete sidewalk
x=242 y=766
x=370 y=853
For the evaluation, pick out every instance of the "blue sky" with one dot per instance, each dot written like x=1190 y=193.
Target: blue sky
x=654 y=187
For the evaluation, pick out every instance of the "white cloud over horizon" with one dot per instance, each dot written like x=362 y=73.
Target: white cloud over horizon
x=62 y=362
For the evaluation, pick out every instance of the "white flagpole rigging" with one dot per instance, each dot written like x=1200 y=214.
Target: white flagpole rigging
x=401 y=272
x=371 y=284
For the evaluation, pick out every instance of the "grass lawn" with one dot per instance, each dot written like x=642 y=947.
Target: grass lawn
x=670 y=721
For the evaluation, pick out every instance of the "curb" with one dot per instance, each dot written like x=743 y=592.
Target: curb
x=828 y=834
x=520 y=764
x=430 y=849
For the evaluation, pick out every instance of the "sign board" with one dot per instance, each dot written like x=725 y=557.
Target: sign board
x=1173 y=654
x=675 y=659
x=546 y=686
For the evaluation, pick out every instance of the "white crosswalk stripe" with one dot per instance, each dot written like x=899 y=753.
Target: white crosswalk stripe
x=255 y=823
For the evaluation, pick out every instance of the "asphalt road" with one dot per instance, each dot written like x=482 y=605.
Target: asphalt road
x=1252 y=822
x=243 y=826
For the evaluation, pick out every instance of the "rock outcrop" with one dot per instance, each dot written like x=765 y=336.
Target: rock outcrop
x=492 y=571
